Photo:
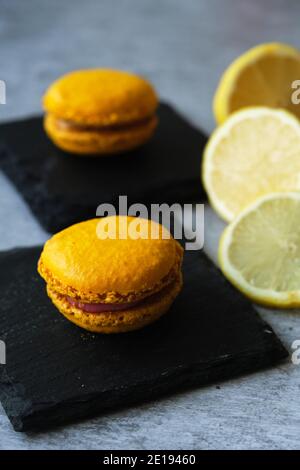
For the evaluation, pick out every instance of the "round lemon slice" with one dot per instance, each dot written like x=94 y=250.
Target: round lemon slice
x=266 y=75
x=254 y=153
x=260 y=251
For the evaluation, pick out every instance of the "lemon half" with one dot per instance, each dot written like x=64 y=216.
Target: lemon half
x=254 y=153
x=263 y=76
x=260 y=251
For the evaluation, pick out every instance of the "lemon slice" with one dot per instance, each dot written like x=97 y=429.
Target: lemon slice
x=255 y=152
x=263 y=76
x=260 y=251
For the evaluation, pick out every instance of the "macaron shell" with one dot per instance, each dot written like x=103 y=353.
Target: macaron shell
x=123 y=321
x=101 y=97
x=109 y=296
x=99 y=142
x=76 y=262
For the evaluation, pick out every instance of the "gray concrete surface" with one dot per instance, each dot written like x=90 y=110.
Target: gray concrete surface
x=182 y=46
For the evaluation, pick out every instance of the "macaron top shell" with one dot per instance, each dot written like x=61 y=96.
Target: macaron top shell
x=92 y=257
x=101 y=97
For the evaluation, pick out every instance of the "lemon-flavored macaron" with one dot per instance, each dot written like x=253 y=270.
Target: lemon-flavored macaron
x=100 y=111
x=106 y=279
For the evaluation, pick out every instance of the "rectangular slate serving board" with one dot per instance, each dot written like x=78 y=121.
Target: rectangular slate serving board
x=62 y=189
x=56 y=372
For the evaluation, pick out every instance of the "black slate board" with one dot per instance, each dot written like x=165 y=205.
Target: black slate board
x=62 y=189
x=57 y=372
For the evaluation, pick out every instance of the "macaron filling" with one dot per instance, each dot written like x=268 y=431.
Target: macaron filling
x=100 y=307
x=92 y=307
x=64 y=124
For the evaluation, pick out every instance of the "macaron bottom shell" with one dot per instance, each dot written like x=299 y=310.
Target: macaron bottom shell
x=99 y=141
x=146 y=312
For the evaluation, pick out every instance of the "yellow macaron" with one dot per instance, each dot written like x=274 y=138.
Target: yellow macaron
x=100 y=111
x=105 y=280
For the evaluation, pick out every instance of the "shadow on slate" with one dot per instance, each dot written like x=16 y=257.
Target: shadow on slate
x=62 y=189
x=57 y=372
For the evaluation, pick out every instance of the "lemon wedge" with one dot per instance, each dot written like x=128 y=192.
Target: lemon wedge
x=263 y=76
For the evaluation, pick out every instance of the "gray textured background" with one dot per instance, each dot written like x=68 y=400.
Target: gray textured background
x=182 y=46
